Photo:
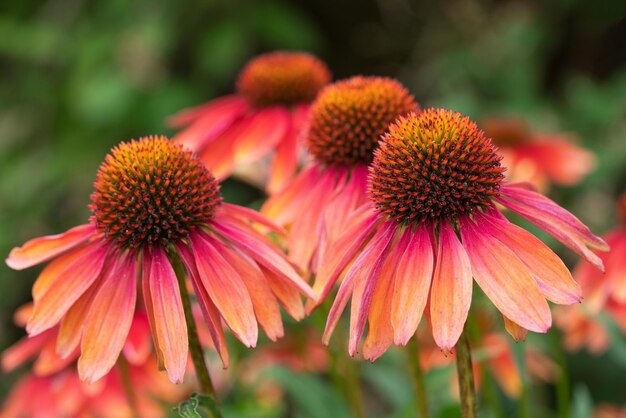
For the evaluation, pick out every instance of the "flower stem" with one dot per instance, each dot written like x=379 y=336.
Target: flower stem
x=466 y=377
x=353 y=388
x=195 y=348
x=419 y=387
x=562 y=383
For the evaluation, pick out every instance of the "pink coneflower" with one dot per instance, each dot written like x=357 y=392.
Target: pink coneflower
x=266 y=114
x=347 y=119
x=541 y=159
x=434 y=224
x=153 y=202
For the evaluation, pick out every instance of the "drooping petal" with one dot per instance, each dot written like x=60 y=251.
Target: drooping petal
x=209 y=311
x=554 y=220
x=169 y=317
x=20 y=352
x=246 y=214
x=49 y=362
x=64 y=289
x=505 y=279
x=413 y=276
x=207 y=121
x=138 y=346
x=285 y=160
x=265 y=254
x=517 y=332
x=616 y=266
x=147 y=300
x=108 y=321
x=289 y=296
x=284 y=206
x=265 y=305
x=552 y=276
x=41 y=249
x=260 y=134
x=341 y=253
x=451 y=289
x=226 y=288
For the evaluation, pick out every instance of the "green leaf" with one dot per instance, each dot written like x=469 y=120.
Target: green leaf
x=198 y=406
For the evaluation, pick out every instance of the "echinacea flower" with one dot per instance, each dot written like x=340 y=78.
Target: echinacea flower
x=266 y=114
x=346 y=122
x=541 y=159
x=62 y=394
x=154 y=202
x=434 y=224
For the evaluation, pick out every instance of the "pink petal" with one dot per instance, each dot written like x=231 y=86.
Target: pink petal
x=41 y=249
x=207 y=121
x=64 y=289
x=209 y=311
x=108 y=321
x=413 y=276
x=505 y=279
x=369 y=268
x=138 y=346
x=554 y=220
x=218 y=156
x=226 y=289
x=341 y=253
x=49 y=362
x=265 y=304
x=285 y=160
x=451 y=289
x=23 y=350
x=260 y=135
x=247 y=214
x=554 y=279
x=169 y=317
x=264 y=254
x=289 y=296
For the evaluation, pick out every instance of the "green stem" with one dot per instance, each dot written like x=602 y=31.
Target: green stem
x=466 y=377
x=195 y=348
x=562 y=383
x=421 y=403
x=122 y=366
x=524 y=401
x=353 y=388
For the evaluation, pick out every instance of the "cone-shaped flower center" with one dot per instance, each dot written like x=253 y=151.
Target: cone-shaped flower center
x=151 y=191
x=433 y=165
x=348 y=118
x=283 y=78
x=506 y=131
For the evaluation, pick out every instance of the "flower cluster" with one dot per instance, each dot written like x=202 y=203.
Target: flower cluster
x=402 y=207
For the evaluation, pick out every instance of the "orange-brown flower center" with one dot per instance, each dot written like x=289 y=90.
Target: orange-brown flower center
x=152 y=191
x=283 y=78
x=433 y=165
x=506 y=131
x=349 y=116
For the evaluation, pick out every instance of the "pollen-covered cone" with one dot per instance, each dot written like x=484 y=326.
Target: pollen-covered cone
x=541 y=159
x=433 y=227
x=265 y=116
x=347 y=120
x=155 y=204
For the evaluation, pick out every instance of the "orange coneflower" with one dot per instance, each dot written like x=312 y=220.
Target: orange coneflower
x=267 y=113
x=347 y=119
x=433 y=225
x=155 y=201
x=539 y=158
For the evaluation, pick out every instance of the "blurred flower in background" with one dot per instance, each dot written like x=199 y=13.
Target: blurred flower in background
x=541 y=159
x=267 y=114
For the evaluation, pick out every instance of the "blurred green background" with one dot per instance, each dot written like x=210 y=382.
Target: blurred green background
x=77 y=77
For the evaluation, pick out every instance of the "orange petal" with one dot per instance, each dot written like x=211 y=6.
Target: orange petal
x=20 y=352
x=285 y=206
x=505 y=279
x=288 y=295
x=260 y=134
x=265 y=305
x=41 y=249
x=169 y=317
x=138 y=348
x=108 y=322
x=412 y=282
x=554 y=279
x=451 y=289
x=285 y=161
x=209 y=311
x=66 y=288
x=250 y=215
x=226 y=289
x=517 y=332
